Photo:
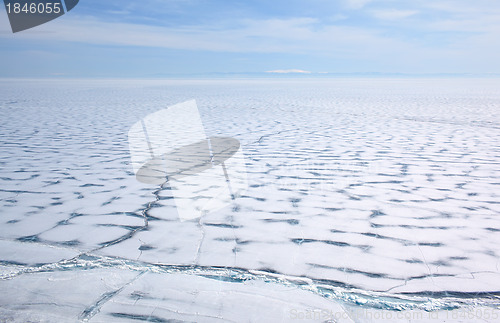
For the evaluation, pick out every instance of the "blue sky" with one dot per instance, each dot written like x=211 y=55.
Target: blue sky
x=148 y=38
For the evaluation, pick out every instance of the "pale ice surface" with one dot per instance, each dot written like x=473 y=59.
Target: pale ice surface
x=364 y=194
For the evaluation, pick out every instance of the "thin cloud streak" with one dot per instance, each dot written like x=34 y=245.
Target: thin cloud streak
x=393 y=14
x=299 y=35
x=292 y=71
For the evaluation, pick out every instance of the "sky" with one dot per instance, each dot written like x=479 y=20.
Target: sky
x=161 y=38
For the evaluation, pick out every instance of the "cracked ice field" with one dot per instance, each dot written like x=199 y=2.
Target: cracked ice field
x=382 y=193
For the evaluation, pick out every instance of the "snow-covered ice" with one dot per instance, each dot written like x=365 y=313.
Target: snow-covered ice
x=378 y=194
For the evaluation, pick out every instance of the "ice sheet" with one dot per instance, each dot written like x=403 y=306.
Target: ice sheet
x=383 y=186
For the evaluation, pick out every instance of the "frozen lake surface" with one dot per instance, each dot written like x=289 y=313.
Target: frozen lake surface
x=378 y=194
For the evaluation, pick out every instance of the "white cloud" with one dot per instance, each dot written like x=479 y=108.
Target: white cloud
x=292 y=71
x=356 y=4
x=393 y=14
x=295 y=35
